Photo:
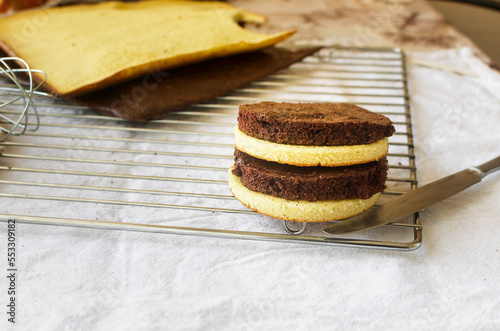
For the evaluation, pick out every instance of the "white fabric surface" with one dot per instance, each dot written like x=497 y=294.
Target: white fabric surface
x=81 y=279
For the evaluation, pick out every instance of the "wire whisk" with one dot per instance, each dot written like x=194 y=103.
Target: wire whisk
x=17 y=88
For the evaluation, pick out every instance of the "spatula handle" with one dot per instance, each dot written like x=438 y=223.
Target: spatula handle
x=490 y=166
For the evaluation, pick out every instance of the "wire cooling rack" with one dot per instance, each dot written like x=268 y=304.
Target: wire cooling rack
x=83 y=169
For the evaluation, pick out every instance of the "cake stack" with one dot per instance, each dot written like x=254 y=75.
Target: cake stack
x=309 y=162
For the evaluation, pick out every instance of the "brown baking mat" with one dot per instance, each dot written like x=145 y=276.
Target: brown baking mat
x=158 y=93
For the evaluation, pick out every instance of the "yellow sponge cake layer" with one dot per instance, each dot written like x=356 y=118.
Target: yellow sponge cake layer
x=90 y=46
x=306 y=156
x=298 y=210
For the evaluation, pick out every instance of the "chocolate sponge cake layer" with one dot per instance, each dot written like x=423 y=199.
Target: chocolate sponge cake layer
x=314 y=124
x=310 y=183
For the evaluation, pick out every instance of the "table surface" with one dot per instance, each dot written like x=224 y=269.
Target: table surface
x=465 y=16
x=81 y=279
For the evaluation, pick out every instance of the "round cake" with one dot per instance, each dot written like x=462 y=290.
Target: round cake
x=310 y=183
x=309 y=162
x=311 y=134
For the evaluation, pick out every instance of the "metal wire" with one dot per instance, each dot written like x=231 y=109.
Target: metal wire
x=77 y=154
x=14 y=92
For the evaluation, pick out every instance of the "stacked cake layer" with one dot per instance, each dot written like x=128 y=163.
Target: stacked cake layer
x=309 y=162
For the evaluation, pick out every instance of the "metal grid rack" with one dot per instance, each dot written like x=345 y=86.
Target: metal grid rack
x=83 y=169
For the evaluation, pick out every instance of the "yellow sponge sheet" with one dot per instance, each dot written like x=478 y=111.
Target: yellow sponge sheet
x=88 y=47
x=307 y=156
x=298 y=210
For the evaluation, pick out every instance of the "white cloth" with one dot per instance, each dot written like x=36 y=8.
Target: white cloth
x=83 y=279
